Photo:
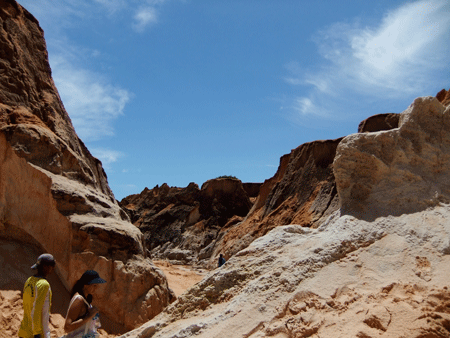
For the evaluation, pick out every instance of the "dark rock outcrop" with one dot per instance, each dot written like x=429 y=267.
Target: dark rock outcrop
x=180 y=223
x=379 y=122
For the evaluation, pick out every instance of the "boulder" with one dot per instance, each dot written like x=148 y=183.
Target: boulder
x=400 y=170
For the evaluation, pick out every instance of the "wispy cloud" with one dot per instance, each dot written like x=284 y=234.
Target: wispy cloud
x=92 y=100
x=107 y=156
x=404 y=53
x=147 y=14
x=93 y=103
x=144 y=17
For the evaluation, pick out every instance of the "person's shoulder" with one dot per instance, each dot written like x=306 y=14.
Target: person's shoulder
x=29 y=279
x=77 y=299
x=43 y=283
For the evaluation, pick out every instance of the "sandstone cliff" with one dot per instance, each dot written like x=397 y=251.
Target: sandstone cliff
x=303 y=192
x=377 y=266
x=53 y=193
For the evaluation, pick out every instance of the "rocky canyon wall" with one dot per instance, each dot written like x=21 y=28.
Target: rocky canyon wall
x=181 y=223
x=53 y=193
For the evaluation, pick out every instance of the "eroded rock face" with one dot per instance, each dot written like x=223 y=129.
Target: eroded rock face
x=180 y=224
x=303 y=192
x=32 y=116
x=53 y=193
x=397 y=171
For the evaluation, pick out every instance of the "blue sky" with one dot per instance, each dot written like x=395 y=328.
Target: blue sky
x=180 y=91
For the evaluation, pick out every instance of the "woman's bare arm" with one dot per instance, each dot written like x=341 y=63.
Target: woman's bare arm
x=78 y=308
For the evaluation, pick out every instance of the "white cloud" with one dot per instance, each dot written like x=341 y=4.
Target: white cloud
x=305 y=106
x=403 y=46
x=64 y=13
x=107 y=156
x=91 y=101
x=144 y=17
x=404 y=54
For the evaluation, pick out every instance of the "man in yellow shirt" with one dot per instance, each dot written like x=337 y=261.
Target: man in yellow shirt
x=37 y=299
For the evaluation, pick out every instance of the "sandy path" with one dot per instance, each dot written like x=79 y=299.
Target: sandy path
x=180 y=277
x=16 y=260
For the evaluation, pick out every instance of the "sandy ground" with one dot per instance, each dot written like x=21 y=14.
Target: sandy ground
x=180 y=277
x=16 y=260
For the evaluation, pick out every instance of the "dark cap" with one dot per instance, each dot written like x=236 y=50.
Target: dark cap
x=44 y=259
x=91 y=277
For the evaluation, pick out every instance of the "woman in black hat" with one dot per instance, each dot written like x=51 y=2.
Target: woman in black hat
x=82 y=317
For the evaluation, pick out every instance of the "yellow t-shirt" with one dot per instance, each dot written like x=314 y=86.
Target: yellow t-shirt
x=37 y=299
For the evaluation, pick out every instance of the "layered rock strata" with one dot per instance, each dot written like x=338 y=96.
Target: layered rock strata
x=303 y=192
x=53 y=193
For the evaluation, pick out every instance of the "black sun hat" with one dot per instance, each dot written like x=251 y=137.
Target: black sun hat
x=91 y=277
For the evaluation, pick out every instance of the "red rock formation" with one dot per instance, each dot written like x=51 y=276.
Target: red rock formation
x=444 y=97
x=53 y=193
x=32 y=116
x=379 y=122
x=252 y=189
x=342 y=279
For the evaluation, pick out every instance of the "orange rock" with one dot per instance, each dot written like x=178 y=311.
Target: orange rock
x=54 y=194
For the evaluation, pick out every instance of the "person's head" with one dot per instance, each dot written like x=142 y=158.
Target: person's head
x=45 y=265
x=221 y=256
x=87 y=283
